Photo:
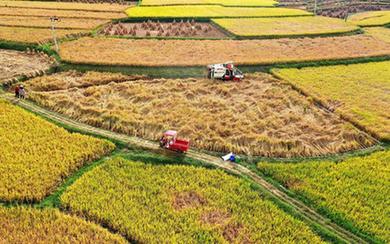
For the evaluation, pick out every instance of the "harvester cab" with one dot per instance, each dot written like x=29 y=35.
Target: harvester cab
x=225 y=72
x=170 y=141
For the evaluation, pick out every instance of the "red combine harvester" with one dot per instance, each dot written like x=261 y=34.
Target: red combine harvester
x=170 y=141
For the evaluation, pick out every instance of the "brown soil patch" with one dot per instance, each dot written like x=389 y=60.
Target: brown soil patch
x=215 y=217
x=185 y=200
x=164 y=29
x=233 y=231
x=15 y=63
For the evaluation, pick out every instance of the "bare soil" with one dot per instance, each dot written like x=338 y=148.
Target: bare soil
x=15 y=63
x=189 y=29
x=185 y=200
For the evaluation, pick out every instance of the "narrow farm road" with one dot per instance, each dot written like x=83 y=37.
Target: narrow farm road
x=310 y=215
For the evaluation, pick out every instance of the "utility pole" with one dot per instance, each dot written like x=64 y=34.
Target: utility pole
x=315 y=7
x=53 y=21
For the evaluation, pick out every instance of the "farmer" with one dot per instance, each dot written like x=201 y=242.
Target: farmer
x=17 y=91
x=22 y=92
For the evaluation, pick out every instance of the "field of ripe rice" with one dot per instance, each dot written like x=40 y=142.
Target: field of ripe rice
x=380 y=33
x=172 y=204
x=212 y=11
x=258 y=3
x=355 y=190
x=359 y=92
x=36 y=155
x=373 y=18
x=59 y=13
x=30 y=225
x=290 y=26
x=32 y=35
x=43 y=22
x=15 y=63
x=259 y=116
x=101 y=7
x=194 y=52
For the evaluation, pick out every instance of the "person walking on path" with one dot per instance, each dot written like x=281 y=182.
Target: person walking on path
x=17 y=91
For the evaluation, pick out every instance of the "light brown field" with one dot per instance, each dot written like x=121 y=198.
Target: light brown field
x=43 y=22
x=104 y=7
x=259 y=116
x=4 y=11
x=203 y=52
x=15 y=63
x=32 y=35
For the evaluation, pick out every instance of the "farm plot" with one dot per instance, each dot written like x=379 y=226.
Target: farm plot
x=15 y=63
x=359 y=92
x=101 y=7
x=5 y=11
x=164 y=29
x=285 y=27
x=259 y=116
x=373 y=18
x=355 y=190
x=33 y=35
x=156 y=204
x=28 y=225
x=110 y=51
x=243 y=3
x=45 y=23
x=380 y=33
x=35 y=155
x=210 y=11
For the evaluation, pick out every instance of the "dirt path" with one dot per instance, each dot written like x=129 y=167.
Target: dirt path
x=307 y=213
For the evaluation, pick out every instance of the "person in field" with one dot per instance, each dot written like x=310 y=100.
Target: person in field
x=22 y=92
x=17 y=91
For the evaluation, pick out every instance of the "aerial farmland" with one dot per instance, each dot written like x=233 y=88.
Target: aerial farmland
x=194 y=121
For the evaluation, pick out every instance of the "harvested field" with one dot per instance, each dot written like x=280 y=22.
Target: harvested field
x=101 y=7
x=112 y=51
x=211 y=11
x=36 y=155
x=356 y=190
x=359 y=92
x=170 y=204
x=251 y=3
x=373 y=18
x=33 y=35
x=15 y=63
x=164 y=29
x=380 y=33
x=44 y=22
x=259 y=116
x=59 y=13
x=30 y=225
x=288 y=26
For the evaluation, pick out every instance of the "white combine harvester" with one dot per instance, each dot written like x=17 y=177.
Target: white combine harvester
x=225 y=72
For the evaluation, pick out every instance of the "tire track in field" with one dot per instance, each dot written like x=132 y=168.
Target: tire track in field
x=308 y=214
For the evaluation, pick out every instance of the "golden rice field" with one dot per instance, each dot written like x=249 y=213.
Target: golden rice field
x=259 y=116
x=373 y=18
x=211 y=11
x=359 y=92
x=243 y=3
x=356 y=190
x=15 y=63
x=285 y=27
x=36 y=155
x=180 y=204
x=194 y=52
x=380 y=33
x=32 y=35
x=101 y=7
x=30 y=225
x=42 y=22
x=4 y=11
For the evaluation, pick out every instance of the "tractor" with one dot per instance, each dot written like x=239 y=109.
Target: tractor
x=225 y=72
x=170 y=141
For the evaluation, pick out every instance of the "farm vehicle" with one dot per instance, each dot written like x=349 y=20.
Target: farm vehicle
x=225 y=72
x=170 y=141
